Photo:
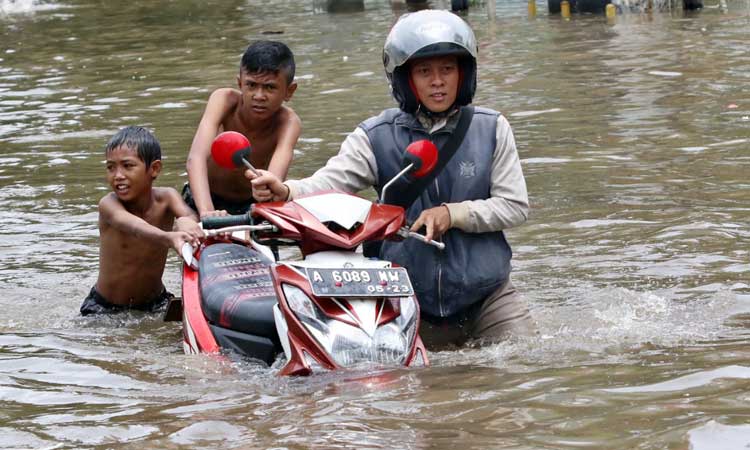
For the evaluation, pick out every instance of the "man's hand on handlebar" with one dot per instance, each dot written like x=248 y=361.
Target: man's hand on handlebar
x=267 y=187
x=435 y=220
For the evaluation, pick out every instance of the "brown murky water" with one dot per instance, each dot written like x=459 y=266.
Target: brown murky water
x=634 y=137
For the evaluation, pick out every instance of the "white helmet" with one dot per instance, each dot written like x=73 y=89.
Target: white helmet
x=423 y=34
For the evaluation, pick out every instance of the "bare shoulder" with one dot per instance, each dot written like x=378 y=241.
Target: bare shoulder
x=112 y=211
x=164 y=190
x=165 y=194
x=221 y=104
x=109 y=203
x=227 y=97
x=287 y=114
x=173 y=202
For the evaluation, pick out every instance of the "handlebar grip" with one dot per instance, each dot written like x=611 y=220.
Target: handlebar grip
x=211 y=223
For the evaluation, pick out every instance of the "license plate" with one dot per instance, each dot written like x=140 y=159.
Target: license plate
x=351 y=282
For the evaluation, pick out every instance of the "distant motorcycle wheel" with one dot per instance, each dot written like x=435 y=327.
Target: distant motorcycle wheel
x=592 y=6
x=459 y=5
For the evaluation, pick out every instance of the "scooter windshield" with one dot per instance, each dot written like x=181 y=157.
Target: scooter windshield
x=342 y=209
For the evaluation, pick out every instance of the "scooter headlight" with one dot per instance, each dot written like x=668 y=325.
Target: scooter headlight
x=389 y=345
x=407 y=320
x=408 y=306
x=307 y=312
x=350 y=345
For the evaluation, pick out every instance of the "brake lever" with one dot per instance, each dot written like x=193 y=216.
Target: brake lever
x=405 y=233
x=232 y=229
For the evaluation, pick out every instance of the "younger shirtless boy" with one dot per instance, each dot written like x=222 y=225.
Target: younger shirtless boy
x=136 y=223
x=265 y=81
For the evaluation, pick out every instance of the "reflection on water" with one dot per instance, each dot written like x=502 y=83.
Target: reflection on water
x=633 y=138
x=729 y=437
x=690 y=381
x=18 y=7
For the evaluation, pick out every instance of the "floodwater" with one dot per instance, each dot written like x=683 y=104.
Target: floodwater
x=634 y=138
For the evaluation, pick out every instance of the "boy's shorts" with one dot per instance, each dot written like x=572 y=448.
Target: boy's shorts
x=232 y=207
x=95 y=303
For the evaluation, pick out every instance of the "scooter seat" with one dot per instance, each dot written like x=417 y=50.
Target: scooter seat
x=236 y=289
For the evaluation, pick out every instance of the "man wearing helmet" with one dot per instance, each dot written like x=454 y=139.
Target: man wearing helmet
x=465 y=292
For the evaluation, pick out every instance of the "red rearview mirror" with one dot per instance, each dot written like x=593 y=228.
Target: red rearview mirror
x=229 y=149
x=423 y=155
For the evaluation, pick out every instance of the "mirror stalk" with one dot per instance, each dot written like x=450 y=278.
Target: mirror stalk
x=388 y=184
x=250 y=167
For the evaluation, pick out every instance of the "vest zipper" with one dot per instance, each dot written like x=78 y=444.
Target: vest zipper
x=439 y=259
x=440 y=265
x=440 y=289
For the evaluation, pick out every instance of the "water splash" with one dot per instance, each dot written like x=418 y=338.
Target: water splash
x=604 y=324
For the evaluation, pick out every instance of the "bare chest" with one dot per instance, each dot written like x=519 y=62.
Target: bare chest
x=129 y=240
x=263 y=142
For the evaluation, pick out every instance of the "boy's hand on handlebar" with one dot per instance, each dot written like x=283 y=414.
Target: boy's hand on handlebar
x=178 y=238
x=190 y=227
x=219 y=212
x=267 y=187
x=435 y=220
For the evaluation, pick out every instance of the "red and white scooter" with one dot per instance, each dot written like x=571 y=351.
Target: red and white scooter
x=334 y=308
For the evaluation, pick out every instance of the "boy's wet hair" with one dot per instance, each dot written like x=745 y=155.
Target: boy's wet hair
x=139 y=139
x=269 y=57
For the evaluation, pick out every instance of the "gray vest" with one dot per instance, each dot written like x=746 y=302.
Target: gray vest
x=473 y=265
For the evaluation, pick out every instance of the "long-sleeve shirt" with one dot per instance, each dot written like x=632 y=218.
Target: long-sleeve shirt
x=355 y=168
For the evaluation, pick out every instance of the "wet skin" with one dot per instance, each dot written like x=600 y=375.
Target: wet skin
x=135 y=229
x=255 y=110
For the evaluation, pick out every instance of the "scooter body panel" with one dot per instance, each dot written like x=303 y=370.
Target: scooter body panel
x=240 y=300
x=197 y=336
x=319 y=232
x=228 y=302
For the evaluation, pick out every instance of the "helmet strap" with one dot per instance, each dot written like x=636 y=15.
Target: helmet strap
x=414 y=90
x=460 y=79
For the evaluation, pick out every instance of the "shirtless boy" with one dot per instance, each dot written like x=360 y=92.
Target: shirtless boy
x=265 y=81
x=136 y=223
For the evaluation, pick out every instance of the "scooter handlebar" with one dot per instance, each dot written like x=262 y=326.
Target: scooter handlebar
x=211 y=223
x=404 y=232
